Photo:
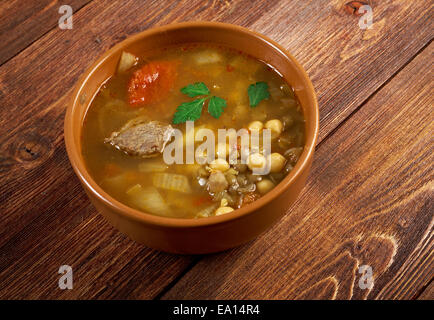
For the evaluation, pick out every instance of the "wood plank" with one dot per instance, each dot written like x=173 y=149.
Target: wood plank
x=23 y=22
x=428 y=293
x=43 y=207
x=50 y=223
x=368 y=202
x=346 y=64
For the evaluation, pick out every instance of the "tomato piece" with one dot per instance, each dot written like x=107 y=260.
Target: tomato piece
x=151 y=83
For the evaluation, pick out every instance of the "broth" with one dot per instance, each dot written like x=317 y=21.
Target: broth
x=146 y=183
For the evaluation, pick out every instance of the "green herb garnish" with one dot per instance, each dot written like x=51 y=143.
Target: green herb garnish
x=195 y=89
x=216 y=106
x=191 y=111
x=257 y=92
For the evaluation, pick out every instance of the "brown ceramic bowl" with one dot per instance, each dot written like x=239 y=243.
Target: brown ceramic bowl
x=193 y=236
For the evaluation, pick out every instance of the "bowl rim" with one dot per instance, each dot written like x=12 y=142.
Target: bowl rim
x=73 y=149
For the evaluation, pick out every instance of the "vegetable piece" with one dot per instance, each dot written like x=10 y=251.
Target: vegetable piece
x=152 y=166
x=126 y=61
x=233 y=182
x=217 y=182
x=258 y=92
x=245 y=64
x=217 y=197
x=216 y=106
x=223 y=210
x=207 y=56
x=188 y=111
x=148 y=199
x=195 y=89
x=171 y=181
x=151 y=83
x=240 y=167
x=249 y=198
x=208 y=211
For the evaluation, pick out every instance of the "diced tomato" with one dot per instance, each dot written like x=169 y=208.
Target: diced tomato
x=151 y=83
x=229 y=68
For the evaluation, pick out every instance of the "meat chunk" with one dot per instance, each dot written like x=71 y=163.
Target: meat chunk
x=139 y=137
x=217 y=182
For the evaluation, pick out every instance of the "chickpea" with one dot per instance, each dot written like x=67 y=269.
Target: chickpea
x=223 y=210
x=219 y=165
x=256 y=160
x=255 y=125
x=264 y=186
x=275 y=126
x=277 y=162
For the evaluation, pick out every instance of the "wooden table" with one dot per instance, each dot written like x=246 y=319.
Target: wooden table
x=368 y=200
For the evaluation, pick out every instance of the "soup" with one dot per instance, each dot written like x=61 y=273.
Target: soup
x=164 y=100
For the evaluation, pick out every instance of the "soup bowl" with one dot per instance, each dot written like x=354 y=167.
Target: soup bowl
x=205 y=235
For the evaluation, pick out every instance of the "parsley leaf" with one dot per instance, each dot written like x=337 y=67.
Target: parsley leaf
x=195 y=89
x=258 y=92
x=189 y=111
x=216 y=106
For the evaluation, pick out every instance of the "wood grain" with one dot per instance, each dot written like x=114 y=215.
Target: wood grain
x=41 y=201
x=46 y=218
x=428 y=293
x=346 y=63
x=368 y=202
x=23 y=22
